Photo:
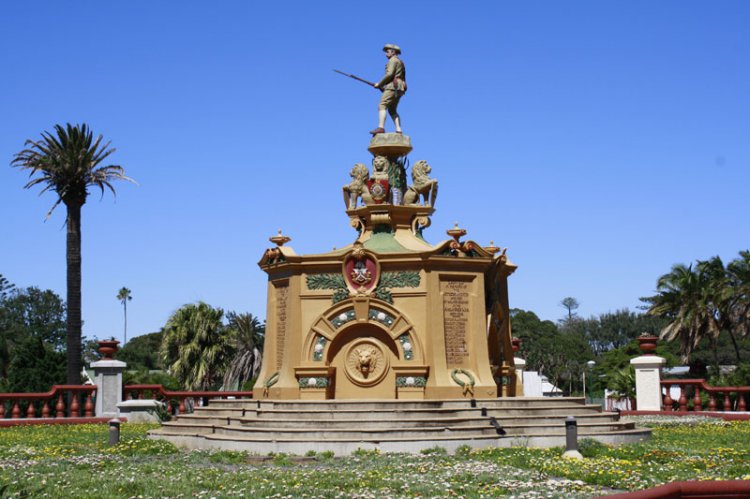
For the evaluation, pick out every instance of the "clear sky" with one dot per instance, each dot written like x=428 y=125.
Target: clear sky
x=600 y=141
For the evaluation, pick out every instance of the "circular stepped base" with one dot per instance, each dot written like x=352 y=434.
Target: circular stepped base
x=261 y=427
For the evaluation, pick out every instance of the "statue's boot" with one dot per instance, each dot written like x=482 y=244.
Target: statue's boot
x=377 y=131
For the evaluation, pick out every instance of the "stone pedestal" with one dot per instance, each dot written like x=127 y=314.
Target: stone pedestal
x=108 y=377
x=140 y=411
x=647 y=378
x=391 y=145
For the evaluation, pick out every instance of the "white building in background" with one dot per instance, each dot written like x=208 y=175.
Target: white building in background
x=537 y=385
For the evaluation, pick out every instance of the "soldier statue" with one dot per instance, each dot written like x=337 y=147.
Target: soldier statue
x=393 y=86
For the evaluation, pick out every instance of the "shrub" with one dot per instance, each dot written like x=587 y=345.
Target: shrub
x=464 y=451
x=588 y=447
x=228 y=457
x=366 y=453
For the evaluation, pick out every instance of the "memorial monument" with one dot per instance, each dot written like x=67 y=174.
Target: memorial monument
x=390 y=343
x=389 y=316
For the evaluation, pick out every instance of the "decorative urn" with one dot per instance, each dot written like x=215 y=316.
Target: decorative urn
x=515 y=344
x=647 y=343
x=108 y=348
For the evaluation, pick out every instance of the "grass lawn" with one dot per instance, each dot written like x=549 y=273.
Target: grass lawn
x=75 y=461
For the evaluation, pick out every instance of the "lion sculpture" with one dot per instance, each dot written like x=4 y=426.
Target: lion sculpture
x=367 y=360
x=357 y=188
x=423 y=185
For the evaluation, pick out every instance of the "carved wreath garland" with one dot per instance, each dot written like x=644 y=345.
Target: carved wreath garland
x=467 y=386
x=399 y=279
x=270 y=381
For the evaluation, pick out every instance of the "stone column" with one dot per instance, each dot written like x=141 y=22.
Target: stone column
x=108 y=378
x=648 y=375
x=520 y=367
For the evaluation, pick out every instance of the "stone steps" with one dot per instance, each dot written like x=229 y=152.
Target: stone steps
x=220 y=419
x=405 y=413
x=342 y=447
x=366 y=405
x=369 y=433
x=408 y=426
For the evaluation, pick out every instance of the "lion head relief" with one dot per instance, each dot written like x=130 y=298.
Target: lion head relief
x=367 y=359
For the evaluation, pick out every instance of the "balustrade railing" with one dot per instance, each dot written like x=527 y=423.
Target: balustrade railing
x=179 y=402
x=62 y=401
x=703 y=396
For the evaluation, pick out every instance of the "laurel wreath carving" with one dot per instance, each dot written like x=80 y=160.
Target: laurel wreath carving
x=272 y=380
x=402 y=279
x=388 y=280
x=467 y=386
x=325 y=281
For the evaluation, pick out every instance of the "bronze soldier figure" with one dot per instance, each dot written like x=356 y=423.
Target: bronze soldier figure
x=393 y=86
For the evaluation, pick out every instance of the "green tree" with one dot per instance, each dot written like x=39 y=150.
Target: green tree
x=571 y=305
x=560 y=356
x=737 y=313
x=613 y=330
x=622 y=384
x=248 y=335
x=142 y=352
x=720 y=300
x=30 y=313
x=614 y=361
x=738 y=276
x=5 y=287
x=704 y=301
x=196 y=347
x=68 y=163
x=684 y=298
x=124 y=295
x=35 y=367
x=35 y=312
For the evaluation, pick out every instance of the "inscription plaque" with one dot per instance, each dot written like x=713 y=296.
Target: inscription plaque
x=282 y=294
x=455 y=320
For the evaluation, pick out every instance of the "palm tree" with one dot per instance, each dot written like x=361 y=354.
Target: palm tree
x=738 y=272
x=248 y=335
x=684 y=297
x=124 y=296
x=722 y=298
x=622 y=384
x=68 y=163
x=196 y=347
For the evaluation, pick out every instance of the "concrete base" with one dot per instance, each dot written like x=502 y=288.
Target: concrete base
x=572 y=454
x=647 y=381
x=140 y=411
x=108 y=374
x=345 y=448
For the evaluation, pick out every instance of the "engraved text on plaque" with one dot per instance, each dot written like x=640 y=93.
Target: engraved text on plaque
x=282 y=293
x=455 y=320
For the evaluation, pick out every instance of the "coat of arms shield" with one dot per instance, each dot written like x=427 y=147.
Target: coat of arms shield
x=378 y=190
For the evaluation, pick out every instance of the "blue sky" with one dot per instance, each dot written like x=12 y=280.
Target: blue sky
x=600 y=141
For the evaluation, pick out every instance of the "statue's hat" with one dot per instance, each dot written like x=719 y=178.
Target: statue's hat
x=391 y=46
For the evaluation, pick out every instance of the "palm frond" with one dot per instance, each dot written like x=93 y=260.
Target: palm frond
x=67 y=161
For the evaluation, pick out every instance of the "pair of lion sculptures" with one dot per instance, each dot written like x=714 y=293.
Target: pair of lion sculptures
x=423 y=186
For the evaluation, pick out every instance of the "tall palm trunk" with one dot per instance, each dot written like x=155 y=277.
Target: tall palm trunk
x=734 y=344
x=73 y=255
x=125 y=312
